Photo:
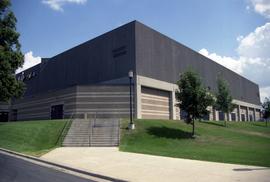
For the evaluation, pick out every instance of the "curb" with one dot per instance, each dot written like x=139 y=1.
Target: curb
x=62 y=166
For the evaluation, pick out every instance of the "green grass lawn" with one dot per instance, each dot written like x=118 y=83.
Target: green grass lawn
x=31 y=137
x=239 y=142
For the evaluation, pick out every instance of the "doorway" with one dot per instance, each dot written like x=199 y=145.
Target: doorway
x=57 y=111
x=3 y=116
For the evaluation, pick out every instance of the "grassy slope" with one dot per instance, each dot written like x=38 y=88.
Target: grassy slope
x=31 y=137
x=239 y=142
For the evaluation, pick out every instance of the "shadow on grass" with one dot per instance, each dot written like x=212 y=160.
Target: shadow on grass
x=251 y=169
x=165 y=132
x=216 y=124
x=261 y=125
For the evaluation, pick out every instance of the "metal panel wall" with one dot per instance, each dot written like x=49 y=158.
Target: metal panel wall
x=162 y=58
x=107 y=57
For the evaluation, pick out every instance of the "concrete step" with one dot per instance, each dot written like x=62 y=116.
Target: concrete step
x=75 y=145
x=76 y=140
x=102 y=132
x=78 y=134
x=105 y=135
x=103 y=141
x=103 y=145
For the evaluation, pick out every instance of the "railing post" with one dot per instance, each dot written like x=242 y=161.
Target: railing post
x=90 y=135
x=119 y=134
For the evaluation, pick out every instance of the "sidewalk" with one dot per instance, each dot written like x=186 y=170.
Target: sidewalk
x=140 y=167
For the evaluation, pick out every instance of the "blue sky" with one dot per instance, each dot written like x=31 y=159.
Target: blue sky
x=212 y=24
x=49 y=27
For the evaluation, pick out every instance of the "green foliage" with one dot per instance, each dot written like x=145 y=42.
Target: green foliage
x=240 y=142
x=266 y=108
x=192 y=96
x=223 y=97
x=10 y=54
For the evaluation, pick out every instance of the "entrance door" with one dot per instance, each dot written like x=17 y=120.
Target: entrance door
x=243 y=118
x=57 y=111
x=221 y=116
x=233 y=116
x=250 y=117
x=155 y=103
x=3 y=116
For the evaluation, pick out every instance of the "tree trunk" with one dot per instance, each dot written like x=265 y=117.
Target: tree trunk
x=193 y=127
x=225 y=119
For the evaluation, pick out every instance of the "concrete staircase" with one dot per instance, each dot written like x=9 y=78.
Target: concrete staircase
x=78 y=134
x=105 y=133
x=93 y=133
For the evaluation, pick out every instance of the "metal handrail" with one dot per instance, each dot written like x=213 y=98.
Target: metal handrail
x=90 y=135
x=92 y=125
x=119 y=134
x=61 y=135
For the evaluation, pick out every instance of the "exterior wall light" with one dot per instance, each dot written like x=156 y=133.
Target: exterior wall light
x=131 y=123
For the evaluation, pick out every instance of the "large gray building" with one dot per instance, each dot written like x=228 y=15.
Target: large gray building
x=91 y=79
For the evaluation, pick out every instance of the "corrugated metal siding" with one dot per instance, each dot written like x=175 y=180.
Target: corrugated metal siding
x=162 y=58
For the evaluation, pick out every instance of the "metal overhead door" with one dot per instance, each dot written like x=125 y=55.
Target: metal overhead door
x=155 y=103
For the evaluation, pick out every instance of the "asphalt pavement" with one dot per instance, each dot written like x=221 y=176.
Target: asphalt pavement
x=15 y=169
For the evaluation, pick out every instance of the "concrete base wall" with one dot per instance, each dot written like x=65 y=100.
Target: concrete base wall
x=243 y=112
x=101 y=101
x=112 y=101
x=38 y=107
x=78 y=102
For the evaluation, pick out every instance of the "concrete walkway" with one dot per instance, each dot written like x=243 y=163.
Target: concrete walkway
x=140 y=167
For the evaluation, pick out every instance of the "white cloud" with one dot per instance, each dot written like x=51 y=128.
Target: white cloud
x=262 y=7
x=255 y=69
x=253 y=60
x=228 y=62
x=29 y=61
x=255 y=44
x=58 y=4
x=265 y=92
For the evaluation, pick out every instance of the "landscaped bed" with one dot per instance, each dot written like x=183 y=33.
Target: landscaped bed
x=31 y=137
x=239 y=142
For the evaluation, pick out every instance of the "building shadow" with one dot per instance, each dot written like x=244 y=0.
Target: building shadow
x=257 y=124
x=251 y=169
x=211 y=123
x=171 y=133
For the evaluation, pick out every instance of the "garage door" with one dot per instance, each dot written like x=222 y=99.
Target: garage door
x=155 y=103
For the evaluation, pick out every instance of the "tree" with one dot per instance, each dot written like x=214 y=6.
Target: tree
x=266 y=109
x=10 y=54
x=223 y=98
x=193 y=97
